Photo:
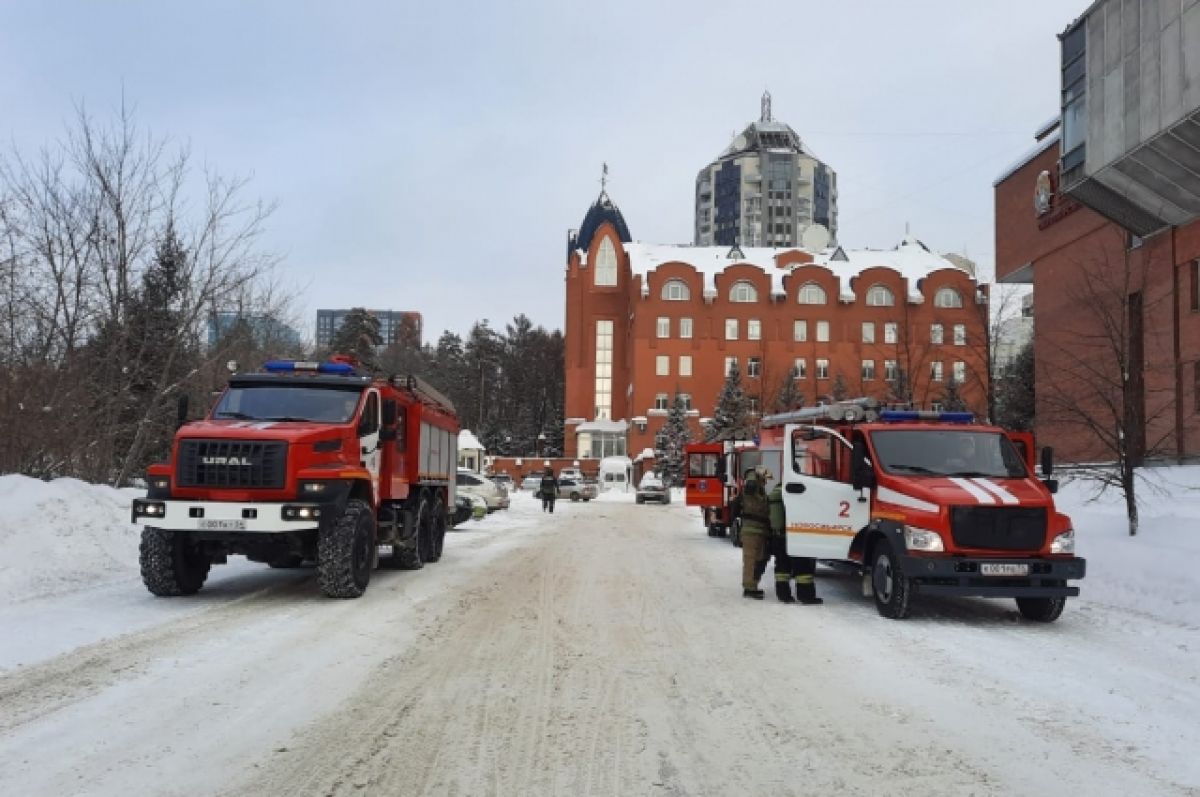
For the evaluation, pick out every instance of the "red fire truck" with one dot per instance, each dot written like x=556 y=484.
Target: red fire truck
x=712 y=480
x=922 y=503
x=304 y=461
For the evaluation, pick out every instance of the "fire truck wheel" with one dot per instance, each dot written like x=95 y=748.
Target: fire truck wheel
x=889 y=584
x=171 y=565
x=1042 y=610
x=412 y=555
x=437 y=530
x=346 y=552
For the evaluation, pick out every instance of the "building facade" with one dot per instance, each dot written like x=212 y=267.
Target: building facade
x=266 y=330
x=1102 y=217
x=394 y=325
x=766 y=189
x=644 y=322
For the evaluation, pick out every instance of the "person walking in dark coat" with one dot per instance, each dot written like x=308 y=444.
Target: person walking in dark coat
x=548 y=490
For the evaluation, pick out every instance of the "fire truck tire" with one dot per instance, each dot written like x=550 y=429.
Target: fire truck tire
x=170 y=565
x=437 y=530
x=346 y=552
x=1042 y=610
x=891 y=587
x=412 y=557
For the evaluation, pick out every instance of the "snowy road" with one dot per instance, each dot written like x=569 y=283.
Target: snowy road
x=605 y=650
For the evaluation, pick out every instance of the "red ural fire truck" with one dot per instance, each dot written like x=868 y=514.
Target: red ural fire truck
x=923 y=503
x=304 y=461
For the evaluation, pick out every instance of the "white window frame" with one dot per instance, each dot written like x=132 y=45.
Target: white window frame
x=937 y=372
x=868 y=370
x=605 y=274
x=800 y=367
x=947 y=297
x=811 y=293
x=731 y=329
x=685 y=328
x=754 y=368
x=663 y=327
x=662 y=365
x=960 y=334
x=800 y=330
x=685 y=365
x=868 y=331
x=960 y=372
x=676 y=290
x=662 y=401
x=743 y=291
x=880 y=296
x=890 y=371
x=822 y=332
x=891 y=332
x=822 y=368
x=753 y=329
x=730 y=362
x=937 y=334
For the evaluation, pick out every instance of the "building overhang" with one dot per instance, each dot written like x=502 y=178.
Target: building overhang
x=1020 y=275
x=1152 y=186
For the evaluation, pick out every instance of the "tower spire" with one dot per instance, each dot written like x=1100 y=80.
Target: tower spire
x=766 y=107
x=604 y=177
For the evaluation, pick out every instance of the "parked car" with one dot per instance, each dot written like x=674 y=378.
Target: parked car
x=571 y=473
x=576 y=490
x=464 y=508
x=651 y=488
x=471 y=483
x=504 y=480
x=531 y=483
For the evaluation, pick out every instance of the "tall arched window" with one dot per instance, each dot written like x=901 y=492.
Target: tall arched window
x=947 y=297
x=743 y=291
x=811 y=293
x=676 y=291
x=880 y=296
x=606 y=263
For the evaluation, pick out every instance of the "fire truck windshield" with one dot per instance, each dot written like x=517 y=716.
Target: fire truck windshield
x=288 y=403
x=943 y=452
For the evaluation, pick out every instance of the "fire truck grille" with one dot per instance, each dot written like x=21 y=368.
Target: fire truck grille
x=998 y=528
x=232 y=463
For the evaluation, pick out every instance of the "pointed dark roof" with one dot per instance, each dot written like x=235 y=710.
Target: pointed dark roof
x=602 y=210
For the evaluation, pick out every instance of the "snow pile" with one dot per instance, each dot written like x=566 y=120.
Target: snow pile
x=62 y=536
x=1154 y=572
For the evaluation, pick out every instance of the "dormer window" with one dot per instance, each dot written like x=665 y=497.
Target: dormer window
x=812 y=293
x=743 y=291
x=880 y=296
x=947 y=297
x=676 y=291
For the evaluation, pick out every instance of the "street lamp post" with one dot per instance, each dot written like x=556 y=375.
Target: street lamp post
x=541 y=443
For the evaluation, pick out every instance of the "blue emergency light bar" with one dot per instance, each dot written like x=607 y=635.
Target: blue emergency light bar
x=291 y=366
x=899 y=416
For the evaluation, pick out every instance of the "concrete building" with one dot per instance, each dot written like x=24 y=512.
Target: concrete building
x=393 y=325
x=645 y=321
x=766 y=189
x=266 y=331
x=1102 y=217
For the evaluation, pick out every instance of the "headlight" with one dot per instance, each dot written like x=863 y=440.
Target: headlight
x=158 y=487
x=1064 y=543
x=150 y=509
x=300 y=512
x=313 y=488
x=918 y=539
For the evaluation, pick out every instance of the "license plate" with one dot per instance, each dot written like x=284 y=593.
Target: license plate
x=1003 y=569
x=222 y=525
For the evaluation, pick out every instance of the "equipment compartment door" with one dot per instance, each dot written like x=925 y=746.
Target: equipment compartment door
x=823 y=513
x=368 y=437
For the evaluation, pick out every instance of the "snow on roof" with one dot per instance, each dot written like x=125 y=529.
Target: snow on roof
x=647 y=453
x=468 y=440
x=603 y=425
x=911 y=259
x=1027 y=156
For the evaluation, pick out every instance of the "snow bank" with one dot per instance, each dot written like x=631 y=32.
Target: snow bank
x=62 y=536
x=1154 y=572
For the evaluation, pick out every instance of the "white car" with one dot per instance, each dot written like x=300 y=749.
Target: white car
x=471 y=483
x=651 y=488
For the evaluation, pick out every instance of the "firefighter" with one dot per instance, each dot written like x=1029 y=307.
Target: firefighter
x=752 y=508
x=548 y=490
x=801 y=568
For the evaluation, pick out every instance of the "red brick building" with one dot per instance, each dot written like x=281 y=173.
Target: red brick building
x=645 y=321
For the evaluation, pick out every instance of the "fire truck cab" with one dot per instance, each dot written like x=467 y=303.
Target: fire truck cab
x=713 y=475
x=923 y=503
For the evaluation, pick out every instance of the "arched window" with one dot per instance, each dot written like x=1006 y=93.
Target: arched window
x=676 y=291
x=812 y=293
x=880 y=296
x=606 y=263
x=947 y=297
x=743 y=291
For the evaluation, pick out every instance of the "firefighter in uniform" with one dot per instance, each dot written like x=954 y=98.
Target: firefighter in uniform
x=801 y=568
x=754 y=511
x=548 y=489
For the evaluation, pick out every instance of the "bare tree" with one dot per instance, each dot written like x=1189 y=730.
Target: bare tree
x=1104 y=382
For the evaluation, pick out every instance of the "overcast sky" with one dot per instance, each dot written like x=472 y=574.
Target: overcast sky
x=431 y=156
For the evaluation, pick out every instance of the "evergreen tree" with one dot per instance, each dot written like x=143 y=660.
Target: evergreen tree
x=1014 y=392
x=731 y=419
x=840 y=392
x=668 y=450
x=790 y=397
x=952 y=400
x=358 y=336
x=900 y=389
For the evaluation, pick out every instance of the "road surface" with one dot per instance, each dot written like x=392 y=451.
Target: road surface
x=604 y=650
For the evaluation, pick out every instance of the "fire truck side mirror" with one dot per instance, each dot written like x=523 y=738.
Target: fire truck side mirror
x=1047 y=461
x=862 y=475
x=181 y=411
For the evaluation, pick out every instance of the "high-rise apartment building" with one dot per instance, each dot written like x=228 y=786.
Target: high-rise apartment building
x=766 y=189
x=393 y=325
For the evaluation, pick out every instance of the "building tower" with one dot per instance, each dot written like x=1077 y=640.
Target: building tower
x=766 y=189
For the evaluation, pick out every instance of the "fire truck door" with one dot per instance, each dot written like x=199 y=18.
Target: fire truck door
x=823 y=514
x=368 y=438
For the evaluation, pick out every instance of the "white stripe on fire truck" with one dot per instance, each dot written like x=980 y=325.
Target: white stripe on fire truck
x=977 y=492
x=902 y=499
x=1004 y=495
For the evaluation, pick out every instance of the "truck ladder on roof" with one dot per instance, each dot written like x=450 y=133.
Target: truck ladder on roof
x=860 y=409
x=423 y=389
